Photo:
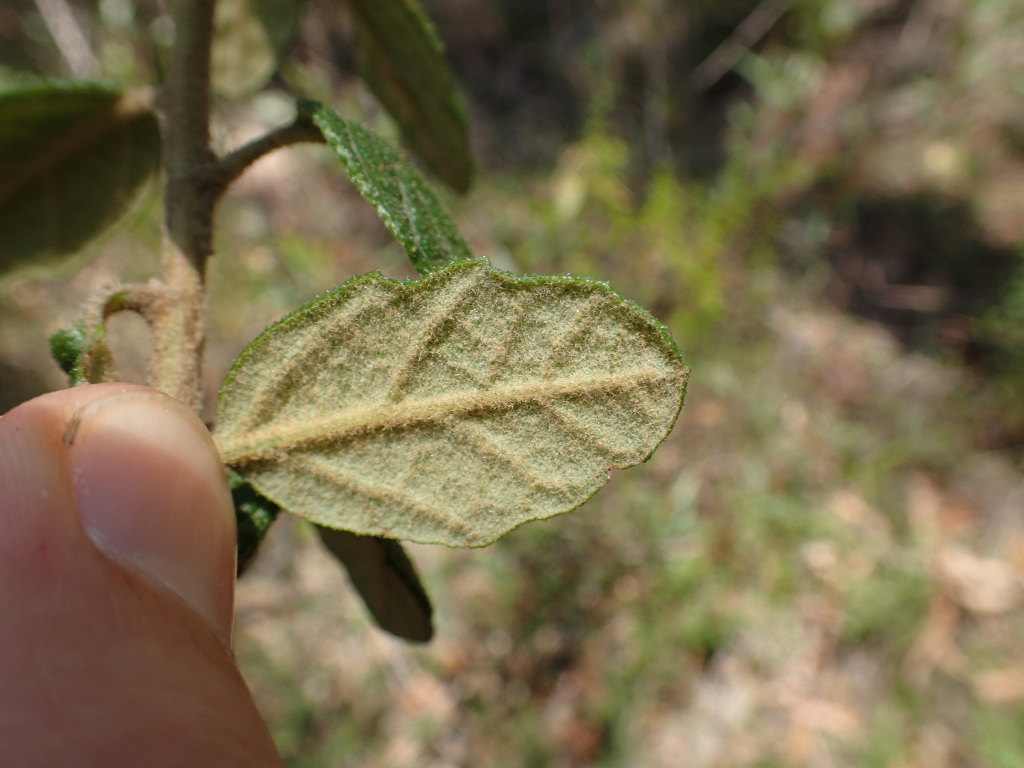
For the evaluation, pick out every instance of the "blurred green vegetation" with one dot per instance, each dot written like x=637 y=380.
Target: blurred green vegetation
x=824 y=564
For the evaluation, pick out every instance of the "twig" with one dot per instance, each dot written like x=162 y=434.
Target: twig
x=234 y=164
x=141 y=298
x=725 y=56
x=71 y=42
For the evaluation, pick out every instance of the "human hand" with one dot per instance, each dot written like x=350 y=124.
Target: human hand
x=117 y=542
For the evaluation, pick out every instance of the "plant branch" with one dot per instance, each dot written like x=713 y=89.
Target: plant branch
x=188 y=206
x=234 y=164
x=179 y=325
x=179 y=331
x=142 y=299
x=150 y=301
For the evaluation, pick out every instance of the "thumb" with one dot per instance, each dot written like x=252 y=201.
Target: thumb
x=113 y=499
x=151 y=493
x=143 y=475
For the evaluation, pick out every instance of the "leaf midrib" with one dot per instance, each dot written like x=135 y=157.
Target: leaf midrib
x=283 y=437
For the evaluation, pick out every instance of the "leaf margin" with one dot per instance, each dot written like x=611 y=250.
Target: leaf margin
x=299 y=315
x=446 y=237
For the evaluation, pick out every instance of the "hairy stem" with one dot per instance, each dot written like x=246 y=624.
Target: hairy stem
x=179 y=324
x=233 y=165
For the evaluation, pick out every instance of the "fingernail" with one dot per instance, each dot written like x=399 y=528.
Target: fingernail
x=151 y=493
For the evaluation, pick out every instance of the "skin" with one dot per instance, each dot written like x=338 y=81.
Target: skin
x=116 y=588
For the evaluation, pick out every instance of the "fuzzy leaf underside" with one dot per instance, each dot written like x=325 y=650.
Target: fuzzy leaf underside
x=402 y=198
x=450 y=409
x=401 y=58
x=72 y=159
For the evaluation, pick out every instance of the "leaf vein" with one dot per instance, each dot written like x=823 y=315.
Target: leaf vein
x=322 y=471
x=441 y=313
x=278 y=438
x=482 y=441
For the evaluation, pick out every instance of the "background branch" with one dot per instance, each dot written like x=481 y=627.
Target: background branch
x=66 y=32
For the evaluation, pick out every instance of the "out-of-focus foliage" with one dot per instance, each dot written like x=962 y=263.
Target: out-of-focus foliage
x=250 y=38
x=73 y=157
x=402 y=61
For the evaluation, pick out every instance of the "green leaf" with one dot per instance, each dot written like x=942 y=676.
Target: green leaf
x=72 y=159
x=82 y=353
x=378 y=568
x=402 y=61
x=402 y=198
x=68 y=348
x=250 y=38
x=385 y=578
x=254 y=514
x=450 y=409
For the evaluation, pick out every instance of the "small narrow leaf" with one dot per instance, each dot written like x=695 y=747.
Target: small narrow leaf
x=402 y=60
x=402 y=198
x=72 y=159
x=449 y=409
x=385 y=578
